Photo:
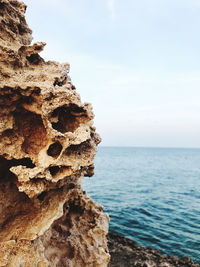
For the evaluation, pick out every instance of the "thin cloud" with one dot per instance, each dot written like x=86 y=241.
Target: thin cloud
x=111 y=7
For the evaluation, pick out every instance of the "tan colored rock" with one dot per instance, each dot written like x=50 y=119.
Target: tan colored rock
x=47 y=145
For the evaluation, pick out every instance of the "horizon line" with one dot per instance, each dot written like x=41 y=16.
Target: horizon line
x=162 y=147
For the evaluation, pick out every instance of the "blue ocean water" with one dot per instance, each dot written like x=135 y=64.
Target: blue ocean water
x=152 y=196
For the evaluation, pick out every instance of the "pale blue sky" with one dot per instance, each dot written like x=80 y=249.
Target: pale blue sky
x=138 y=62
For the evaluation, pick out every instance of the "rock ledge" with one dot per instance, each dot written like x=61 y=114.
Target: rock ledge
x=125 y=252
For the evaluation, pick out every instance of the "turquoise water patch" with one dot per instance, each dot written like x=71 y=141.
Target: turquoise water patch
x=152 y=196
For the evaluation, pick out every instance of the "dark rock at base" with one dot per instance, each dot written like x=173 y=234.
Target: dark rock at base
x=126 y=253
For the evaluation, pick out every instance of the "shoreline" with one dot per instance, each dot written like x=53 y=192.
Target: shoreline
x=126 y=253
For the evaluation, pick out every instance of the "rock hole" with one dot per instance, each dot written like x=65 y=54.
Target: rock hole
x=66 y=122
x=34 y=59
x=54 y=170
x=12 y=26
x=76 y=109
x=42 y=196
x=6 y=164
x=21 y=29
x=79 y=149
x=67 y=118
x=61 y=171
x=37 y=180
x=60 y=81
x=36 y=91
x=30 y=126
x=71 y=186
x=54 y=150
x=74 y=208
x=27 y=162
x=1 y=5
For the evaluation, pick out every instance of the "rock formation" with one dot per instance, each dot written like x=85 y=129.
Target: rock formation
x=47 y=145
x=125 y=252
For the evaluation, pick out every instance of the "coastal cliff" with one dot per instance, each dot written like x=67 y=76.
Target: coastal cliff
x=47 y=146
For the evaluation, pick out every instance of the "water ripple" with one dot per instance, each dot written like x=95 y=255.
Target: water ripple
x=152 y=196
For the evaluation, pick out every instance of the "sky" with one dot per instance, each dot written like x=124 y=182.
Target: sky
x=136 y=61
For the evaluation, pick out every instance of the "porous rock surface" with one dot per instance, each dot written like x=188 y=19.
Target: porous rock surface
x=126 y=253
x=47 y=145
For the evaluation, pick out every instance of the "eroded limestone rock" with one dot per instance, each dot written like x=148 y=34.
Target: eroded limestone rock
x=47 y=145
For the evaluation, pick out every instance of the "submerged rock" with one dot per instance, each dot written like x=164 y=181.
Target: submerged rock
x=47 y=145
x=126 y=253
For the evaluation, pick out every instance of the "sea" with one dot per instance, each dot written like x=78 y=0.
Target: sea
x=152 y=196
